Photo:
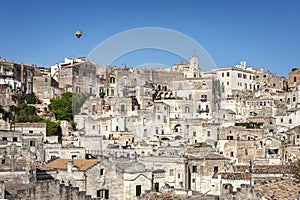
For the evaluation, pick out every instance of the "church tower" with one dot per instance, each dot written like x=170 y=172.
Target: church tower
x=194 y=66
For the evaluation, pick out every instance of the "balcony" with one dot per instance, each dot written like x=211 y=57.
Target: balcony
x=203 y=111
x=204 y=99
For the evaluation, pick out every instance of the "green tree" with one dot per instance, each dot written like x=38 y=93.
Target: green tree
x=53 y=128
x=63 y=107
x=24 y=113
x=32 y=99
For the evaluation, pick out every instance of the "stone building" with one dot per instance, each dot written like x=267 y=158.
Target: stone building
x=104 y=179
x=293 y=79
x=45 y=87
x=239 y=77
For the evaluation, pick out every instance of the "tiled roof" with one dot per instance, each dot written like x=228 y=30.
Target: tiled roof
x=281 y=190
x=265 y=169
x=81 y=164
x=207 y=156
x=232 y=176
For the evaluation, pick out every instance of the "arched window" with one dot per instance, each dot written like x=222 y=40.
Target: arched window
x=112 y=79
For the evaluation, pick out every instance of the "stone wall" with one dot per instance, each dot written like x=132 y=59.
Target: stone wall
x=51 y=189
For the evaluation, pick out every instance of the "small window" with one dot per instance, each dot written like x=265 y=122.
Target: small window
x=216 y=169
x=222 y=74
x=171 y=172
x=290 y=121
x=112 y=80
x=15 y=139
x=194 y=134
x=138 y=190
x=101 y=172
x=231 y=154
x=32 y=143
x=194 y=169
x=228 y=74
x=30 y=131
x=46 y=80
x=3 y=161
x=298 y=136
x=230 y=137
x=208 y=133
x=112 y=92
x=123 y=108
x=103 y=194
x=74 y=157
x=4 y=138
x=295 y=79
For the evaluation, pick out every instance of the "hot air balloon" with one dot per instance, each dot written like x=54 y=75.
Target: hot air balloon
x=78 y=33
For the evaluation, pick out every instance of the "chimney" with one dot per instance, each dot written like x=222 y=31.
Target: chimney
x=70 y=165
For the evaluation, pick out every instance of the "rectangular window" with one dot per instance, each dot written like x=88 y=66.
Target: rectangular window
x=194 y=133
x=165 y=119
x=30 y=131
x=103 y=194
x=216 y=169
x=222 y=74
x=123 y=108
x=158 y=117
x=171 y=172
x=228 y=74
x=4 y=138
x=239 y=75
x=208 y=133
x=290 y=121
x=194 y=169
x=15 y=139
x=32 y=143
x=112 y=92
x=281 y=120
x=101 y=172
x=231 y=154
x=230 y=137
x=138 y=190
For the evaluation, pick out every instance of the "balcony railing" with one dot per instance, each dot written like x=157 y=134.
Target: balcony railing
x=203 y=111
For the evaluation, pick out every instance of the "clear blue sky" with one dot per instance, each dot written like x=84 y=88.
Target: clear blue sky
x=266 y=32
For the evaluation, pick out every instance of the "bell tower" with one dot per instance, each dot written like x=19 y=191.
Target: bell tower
x=194 y=66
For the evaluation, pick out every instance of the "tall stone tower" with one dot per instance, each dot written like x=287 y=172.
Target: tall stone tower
x=194 y=66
